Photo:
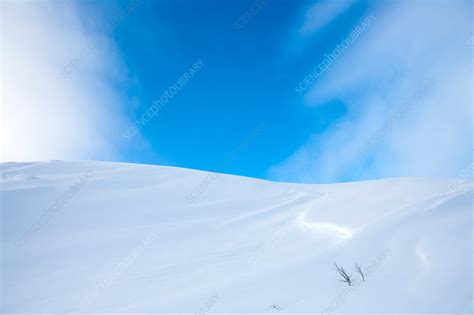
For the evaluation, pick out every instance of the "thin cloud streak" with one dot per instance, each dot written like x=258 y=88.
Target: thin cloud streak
x=321 y=14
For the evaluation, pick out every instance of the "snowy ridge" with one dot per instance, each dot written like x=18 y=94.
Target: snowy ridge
x=115 y=237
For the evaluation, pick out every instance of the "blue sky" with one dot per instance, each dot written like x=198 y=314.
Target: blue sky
x=242 y=113
x=248 y=79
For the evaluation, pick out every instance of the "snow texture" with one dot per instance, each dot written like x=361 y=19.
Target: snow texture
x=112 y=237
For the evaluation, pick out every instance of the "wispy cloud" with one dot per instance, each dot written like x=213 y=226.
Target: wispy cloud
x=83 y=55
x=43 y=115
x=322 y=13
x=333 y=55
x=412 y=43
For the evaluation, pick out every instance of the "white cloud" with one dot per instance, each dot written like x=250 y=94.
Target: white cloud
x=322 y=13
x=47 y=114
x=409 y=44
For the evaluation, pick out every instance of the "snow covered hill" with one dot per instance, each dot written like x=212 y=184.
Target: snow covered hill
x=113 y=237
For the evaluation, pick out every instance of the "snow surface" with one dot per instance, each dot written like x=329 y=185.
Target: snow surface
x=114 y=237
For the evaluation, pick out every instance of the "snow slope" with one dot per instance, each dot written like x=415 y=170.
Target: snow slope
x=113 y=237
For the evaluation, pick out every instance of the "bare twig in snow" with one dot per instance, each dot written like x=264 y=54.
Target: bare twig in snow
x=345 y=277
x=359 y=270
x=276 y=307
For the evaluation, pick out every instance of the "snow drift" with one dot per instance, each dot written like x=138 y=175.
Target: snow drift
x=113 y=237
